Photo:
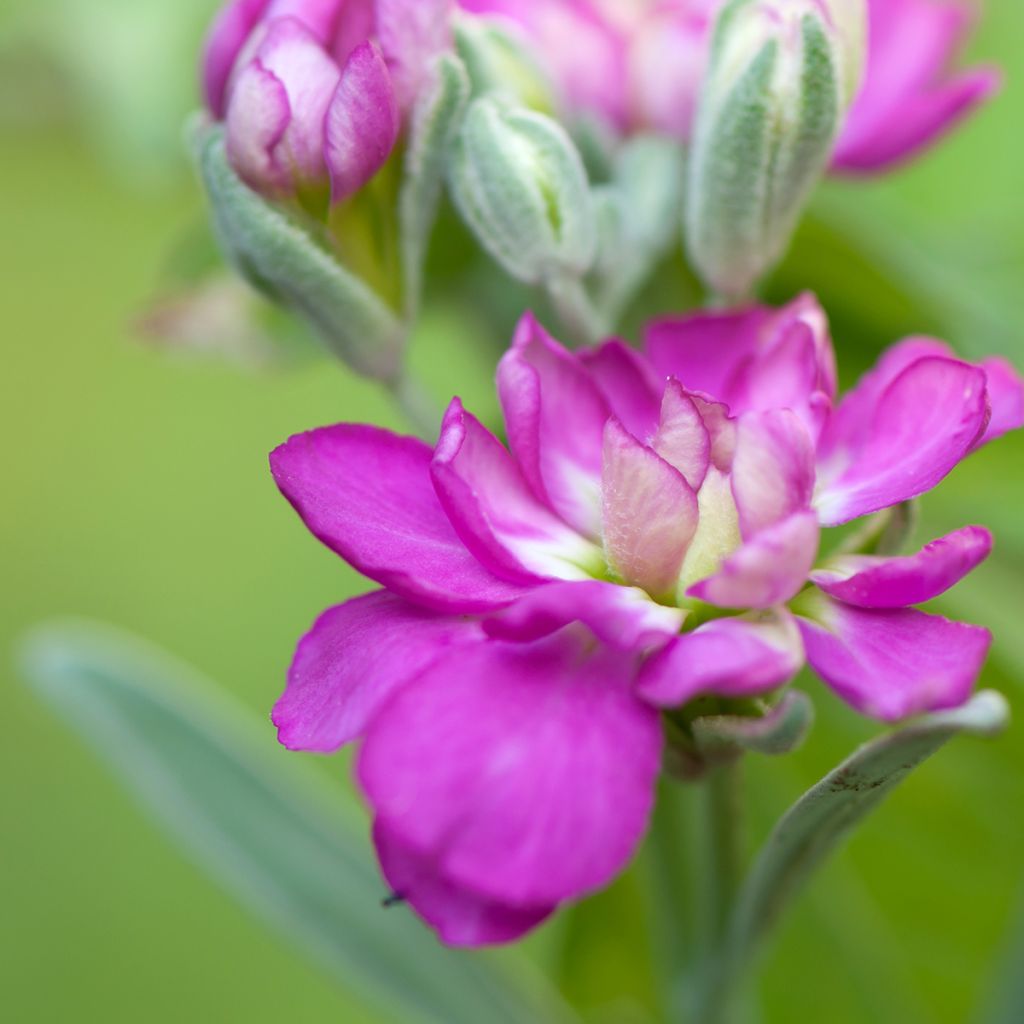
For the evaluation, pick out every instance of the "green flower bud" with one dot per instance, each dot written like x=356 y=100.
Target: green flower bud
x=781 y=76
x=519 y=183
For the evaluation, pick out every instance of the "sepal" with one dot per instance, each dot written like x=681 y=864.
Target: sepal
x=286 y=262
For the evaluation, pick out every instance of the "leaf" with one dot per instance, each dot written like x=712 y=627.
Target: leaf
x=436 y=119
x=287 y=263
x=262 y=827
x=816 y=823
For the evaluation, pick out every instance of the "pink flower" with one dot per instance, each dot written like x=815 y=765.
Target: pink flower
x=313 y=91
x=649 y=535
x=641 y=65
x=632 y=65
x=909 y=98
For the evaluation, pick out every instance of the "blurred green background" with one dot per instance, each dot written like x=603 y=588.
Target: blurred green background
x=136 y=491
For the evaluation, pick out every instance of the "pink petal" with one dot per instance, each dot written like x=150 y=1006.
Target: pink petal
x=355 y=656
x=649 y=513
x=773 y=469
x=753 y=359
x=924 y=423
x=310 y=77
x=628 y=383
x=895 y=662
x=412 y=34
x=769 y=569
x=362 y=122
x=366 y=494
x=459 y=916
x=494 y=511
x=622 y=617
x=555 y=416
x=922 y=121
x=726 y=657
x=257 y=119
x=1005 y=397
x=873 y=582
x=703 y=350
x=906 y=101
x=319 y=17
x=525 y=772
x=850 y=424
x=683 y=439
x=228 y=33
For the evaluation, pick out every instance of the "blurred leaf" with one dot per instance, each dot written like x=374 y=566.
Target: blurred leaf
x=262 y=827
x=816 y=823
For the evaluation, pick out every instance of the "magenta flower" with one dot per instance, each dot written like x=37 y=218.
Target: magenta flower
x=909 y=97
x=641 y=65
x=632 y=65
x=313 y=92
x=649 y=535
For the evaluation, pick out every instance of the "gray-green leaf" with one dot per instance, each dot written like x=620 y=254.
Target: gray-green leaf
x=264 y=828
x=817 y=822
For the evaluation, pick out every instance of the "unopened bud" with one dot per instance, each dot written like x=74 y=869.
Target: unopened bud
x=781 y=76
x=520 y=185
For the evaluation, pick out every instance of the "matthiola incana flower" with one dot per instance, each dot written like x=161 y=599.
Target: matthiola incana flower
x=639 y=64
x=313 y=92
x=652 y=533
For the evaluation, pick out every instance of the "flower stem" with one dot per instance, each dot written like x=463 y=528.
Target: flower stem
x=578 y=316
x=719 y=872
x=419 y=408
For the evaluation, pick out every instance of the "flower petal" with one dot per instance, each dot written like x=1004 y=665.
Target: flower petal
x=228 y=33
x=525 y=771
x=906 y=101
x=683 y=439
x=258 y=115
x=895 y=662
x=872 y=582
x=629 y=385
x=703 y=350
x=495 y=513
x=649 y=513
x=459 y=916
x=362 y=122
x=355 y=656
x=310 y=77
x=769 y=569
x=924 y=423
x=622 y=617
x=772 y=470
x=1005 y=397
x=412 y=33
x=366 y=494
x=726 y=657
x=555 y=416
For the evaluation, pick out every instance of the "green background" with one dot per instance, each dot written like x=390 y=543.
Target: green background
x=136 y=491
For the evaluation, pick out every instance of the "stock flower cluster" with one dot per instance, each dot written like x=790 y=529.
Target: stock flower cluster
x=659 y=525
x=651 y=534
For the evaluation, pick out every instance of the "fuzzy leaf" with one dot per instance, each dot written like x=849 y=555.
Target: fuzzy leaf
x=264 y=829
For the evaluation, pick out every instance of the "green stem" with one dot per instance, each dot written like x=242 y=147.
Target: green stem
x=719 y=874
x=416 y=404
x=578 y=316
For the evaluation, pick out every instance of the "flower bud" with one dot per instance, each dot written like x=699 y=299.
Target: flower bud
x=314 y=92
x=520 y=185
x=781 y=76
